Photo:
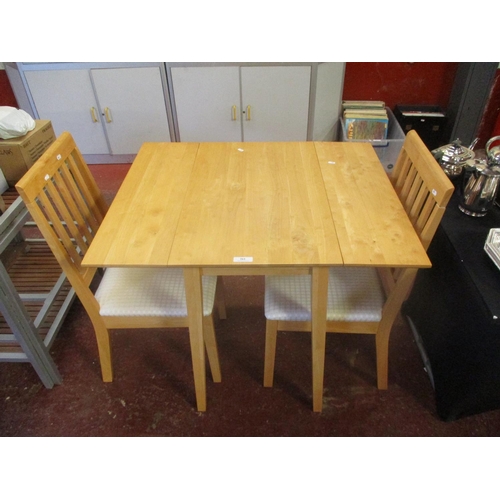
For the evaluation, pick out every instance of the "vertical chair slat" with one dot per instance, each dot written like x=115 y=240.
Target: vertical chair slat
x=415 y=209
x=72 y=204
x=75 y=225
x=413 y=194
x=87 y=186
x=55 y=223
x=407 y=182
x=54 y=196
x=400 y=174
x=431 y=223
x=80 y=196
x=400 y=169
x=425 y=207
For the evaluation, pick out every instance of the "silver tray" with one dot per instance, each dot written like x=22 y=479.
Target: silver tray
x=492 y=246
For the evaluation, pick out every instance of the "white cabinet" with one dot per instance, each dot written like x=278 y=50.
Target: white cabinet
x=132 y=103
x=207 y=101
x=112 y=108
x=67 y=99
x=247 y=103
x=109 y=111
x=275 y=102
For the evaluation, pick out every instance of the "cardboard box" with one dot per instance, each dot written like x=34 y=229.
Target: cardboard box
x=19 y=154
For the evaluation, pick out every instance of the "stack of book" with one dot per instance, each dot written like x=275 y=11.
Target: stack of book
x=365 y=120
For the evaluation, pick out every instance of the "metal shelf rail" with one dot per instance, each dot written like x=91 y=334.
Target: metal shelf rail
x=35 y=295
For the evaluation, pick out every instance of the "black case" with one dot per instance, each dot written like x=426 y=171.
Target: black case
x=429 y=128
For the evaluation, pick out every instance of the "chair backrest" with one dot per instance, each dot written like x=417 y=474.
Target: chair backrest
x=67 y=206
x=424 y=190
x=422 y=186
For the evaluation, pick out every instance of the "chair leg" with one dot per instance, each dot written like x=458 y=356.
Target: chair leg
x=220 y=301
x=104 y=348
x=382 y=352
x=270 y=352
x=211 y=347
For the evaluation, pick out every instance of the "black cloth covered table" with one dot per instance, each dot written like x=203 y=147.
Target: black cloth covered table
x=455 y=309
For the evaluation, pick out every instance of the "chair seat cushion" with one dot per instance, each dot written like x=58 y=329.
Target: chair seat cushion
x=149 y=292
x=354 y=294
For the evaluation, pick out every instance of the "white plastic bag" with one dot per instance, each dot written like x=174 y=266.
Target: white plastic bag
x=14 y=122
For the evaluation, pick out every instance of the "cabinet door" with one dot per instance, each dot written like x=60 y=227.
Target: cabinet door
x=207 y=101
x=275 y=102
x=133 y=105
x=66 y=98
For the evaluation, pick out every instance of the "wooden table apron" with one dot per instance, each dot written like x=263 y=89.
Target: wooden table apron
x=256 y=208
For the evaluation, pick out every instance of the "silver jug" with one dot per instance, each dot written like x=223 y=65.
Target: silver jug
x=493 y=154
x=480 y=190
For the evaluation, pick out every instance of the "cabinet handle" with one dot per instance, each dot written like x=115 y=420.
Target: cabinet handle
x=94 y=115
x=107 y=113
x=233 y=110
x=249 y=115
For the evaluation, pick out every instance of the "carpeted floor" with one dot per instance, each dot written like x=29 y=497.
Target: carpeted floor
x=152 y=393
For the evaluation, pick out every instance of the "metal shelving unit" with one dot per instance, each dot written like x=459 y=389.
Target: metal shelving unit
x=35 y=295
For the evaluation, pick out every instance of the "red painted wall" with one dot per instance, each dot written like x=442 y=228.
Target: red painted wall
x=428 y=83
x=490 y=124
x=7 y=97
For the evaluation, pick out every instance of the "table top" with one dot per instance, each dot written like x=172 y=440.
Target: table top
x=256 y=204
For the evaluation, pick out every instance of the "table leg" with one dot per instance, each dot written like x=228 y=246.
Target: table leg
x=194 y=300
x=319 y=294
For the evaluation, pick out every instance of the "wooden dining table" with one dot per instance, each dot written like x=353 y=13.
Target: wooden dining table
x=256 y=208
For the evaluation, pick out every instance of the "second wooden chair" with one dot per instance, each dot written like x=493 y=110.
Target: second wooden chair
x=68 y=208
x=364 y=300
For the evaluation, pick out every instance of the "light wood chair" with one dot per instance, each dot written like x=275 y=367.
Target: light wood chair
x=364 y=300
x=68 y=208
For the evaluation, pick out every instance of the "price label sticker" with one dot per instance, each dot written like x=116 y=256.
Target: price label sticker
x=242 y=259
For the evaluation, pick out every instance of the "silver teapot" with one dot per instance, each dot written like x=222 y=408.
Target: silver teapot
x=482 y=186
x=453 y=157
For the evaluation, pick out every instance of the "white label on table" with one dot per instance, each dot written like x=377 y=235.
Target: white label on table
x=242 y=259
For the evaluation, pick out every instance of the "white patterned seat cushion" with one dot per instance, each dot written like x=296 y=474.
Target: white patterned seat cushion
x=149 y=292
x=354 y=294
